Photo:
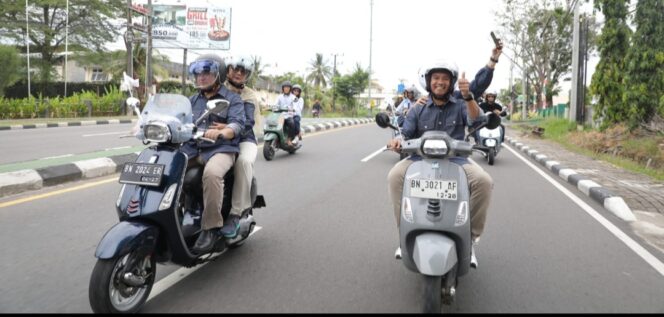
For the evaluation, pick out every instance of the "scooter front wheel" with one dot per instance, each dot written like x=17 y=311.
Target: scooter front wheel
x=491 y=156
x=111 y=292
x=433 y=294
x=269 y=149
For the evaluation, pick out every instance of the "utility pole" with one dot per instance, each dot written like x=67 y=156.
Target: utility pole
x=129 y=38
x=370 y=53
x=184 y=71
x=334 y=74
x=511 y=92
x=148 y=55
x=524 y=71
x=575 y=68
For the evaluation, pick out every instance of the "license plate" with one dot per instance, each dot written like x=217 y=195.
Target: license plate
x=142 y=174
x=433 y=189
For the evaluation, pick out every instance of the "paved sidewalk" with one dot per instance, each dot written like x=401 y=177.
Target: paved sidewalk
x=643 y=195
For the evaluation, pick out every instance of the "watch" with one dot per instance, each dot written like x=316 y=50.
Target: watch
x=470 y=97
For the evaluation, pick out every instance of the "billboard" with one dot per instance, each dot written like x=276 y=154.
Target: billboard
x=190 y=24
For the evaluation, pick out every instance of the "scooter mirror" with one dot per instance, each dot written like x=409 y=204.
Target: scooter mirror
x=133 y=102
x=382 y=120
x=494 y=121
x=217 y=106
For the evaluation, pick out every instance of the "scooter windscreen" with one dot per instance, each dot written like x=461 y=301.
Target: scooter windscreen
x=171 y=110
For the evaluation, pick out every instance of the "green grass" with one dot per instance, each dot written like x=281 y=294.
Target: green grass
x=558 y=130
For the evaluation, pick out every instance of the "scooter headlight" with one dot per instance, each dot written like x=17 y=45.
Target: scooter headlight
x=157 y=132
x=490 y=142
x=434 y=147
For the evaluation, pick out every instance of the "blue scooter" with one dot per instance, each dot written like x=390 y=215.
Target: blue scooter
x=155 y=227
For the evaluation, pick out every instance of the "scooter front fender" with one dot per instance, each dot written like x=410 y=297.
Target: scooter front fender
x=269 y=136
x=126 y=236
x=434 y=254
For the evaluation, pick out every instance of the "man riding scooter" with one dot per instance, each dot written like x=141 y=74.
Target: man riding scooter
x=208 y=72
x=410 y=95
x=490 y=105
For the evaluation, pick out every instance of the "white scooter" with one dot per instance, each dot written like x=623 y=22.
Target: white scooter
x=489 y=140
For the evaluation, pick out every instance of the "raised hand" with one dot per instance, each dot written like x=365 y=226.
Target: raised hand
x=464 y=85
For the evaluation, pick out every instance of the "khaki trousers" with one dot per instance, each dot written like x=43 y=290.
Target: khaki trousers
x=480 y=182
x=244 y=171
x=213 y=187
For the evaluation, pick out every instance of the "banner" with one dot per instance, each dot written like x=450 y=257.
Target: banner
x=191 y=25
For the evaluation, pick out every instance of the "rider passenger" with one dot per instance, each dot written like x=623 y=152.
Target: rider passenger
x=218 y=157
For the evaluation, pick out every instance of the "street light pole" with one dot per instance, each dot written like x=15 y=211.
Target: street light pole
x=66 y=46
x=370 y=52
x=27 y=43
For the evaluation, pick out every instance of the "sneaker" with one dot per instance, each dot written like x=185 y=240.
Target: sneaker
x=473 y=259
x=397 y=254
x=231 y=227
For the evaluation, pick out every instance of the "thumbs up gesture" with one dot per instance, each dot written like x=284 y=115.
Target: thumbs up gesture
x=464 y=85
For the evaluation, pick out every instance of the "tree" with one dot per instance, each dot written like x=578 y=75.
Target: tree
x=540 y=35
x=90 y=27
x=645 y=63
x=608 y=83
x=257 y=71
x=320 y=72
x=11 y=67
x=349 y=86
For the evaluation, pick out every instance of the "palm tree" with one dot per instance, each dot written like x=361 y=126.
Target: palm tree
x=320 y=72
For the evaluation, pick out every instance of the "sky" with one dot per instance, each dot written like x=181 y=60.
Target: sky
x=288 y=33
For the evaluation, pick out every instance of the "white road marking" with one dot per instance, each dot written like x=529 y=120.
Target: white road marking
x=117 y=148
x=637 y=248
x=366 y=159
x=172 y=279
x=56 y=157
x=101 y=134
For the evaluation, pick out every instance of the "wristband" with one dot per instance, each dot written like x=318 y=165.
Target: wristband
x=493 y=59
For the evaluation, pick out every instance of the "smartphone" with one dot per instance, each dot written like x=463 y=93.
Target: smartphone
x=495 y=39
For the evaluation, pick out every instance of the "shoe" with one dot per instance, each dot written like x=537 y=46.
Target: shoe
x=205 y=241
x=473 y=258
x=231 y=227
x=397 y=254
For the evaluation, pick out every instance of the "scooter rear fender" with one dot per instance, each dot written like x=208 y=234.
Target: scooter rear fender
x=126 y=236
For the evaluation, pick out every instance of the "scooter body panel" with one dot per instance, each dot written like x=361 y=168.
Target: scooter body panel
x=126 y=236
x=424 y=222
x=431 y=249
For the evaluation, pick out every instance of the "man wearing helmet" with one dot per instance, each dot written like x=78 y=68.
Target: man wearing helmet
x=410 y=95
x=238 y=72
x=490 y=105
x=444 y=112
x=208 y=72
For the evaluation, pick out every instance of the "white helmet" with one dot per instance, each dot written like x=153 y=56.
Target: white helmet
x=492 y=92
x=241 y=61
x=425 y=72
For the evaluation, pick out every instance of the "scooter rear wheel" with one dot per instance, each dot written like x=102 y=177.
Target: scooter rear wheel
x=108 y=293
x=433 y=294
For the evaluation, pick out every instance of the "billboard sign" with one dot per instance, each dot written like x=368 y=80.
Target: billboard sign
x=190 y=24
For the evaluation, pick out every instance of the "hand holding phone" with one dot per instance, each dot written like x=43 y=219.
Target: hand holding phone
x=496 y=41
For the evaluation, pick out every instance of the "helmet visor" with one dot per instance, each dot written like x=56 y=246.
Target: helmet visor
x=203 y=66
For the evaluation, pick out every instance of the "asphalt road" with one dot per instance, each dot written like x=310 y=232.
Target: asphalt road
x=327 y=242
x=56 y=143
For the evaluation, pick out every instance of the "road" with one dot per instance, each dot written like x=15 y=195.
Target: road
x=327 y=241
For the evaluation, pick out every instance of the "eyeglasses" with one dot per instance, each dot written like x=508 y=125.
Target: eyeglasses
x=240 y=70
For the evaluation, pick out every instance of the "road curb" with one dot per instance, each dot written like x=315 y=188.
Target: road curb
x=609 y=200
x=32 y=179
x=66 y=124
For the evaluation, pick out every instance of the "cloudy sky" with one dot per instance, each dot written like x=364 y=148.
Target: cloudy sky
x=288 y=33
